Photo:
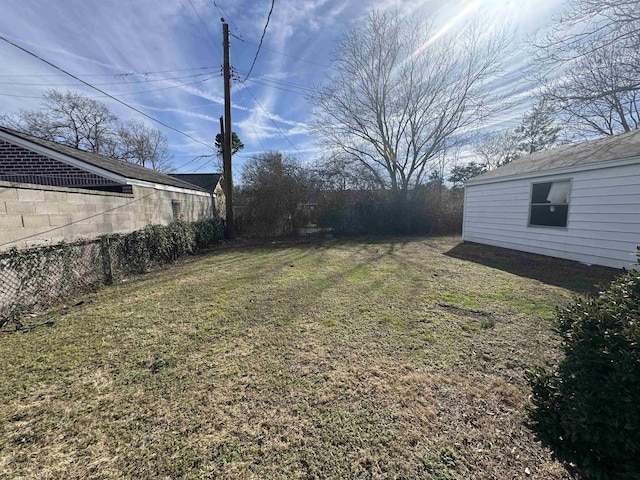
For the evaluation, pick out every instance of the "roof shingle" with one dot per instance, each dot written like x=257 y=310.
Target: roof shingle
x=615 y=147
x=120 y=167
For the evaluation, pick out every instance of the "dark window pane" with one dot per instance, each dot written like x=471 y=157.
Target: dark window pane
x=540 y=192
x=549 y=215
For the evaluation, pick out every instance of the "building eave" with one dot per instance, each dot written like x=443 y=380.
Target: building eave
x=556 y=171
x=87 y=167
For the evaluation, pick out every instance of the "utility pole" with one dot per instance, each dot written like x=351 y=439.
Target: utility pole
x=226 y=150
x=222 y=137
x=222 y=149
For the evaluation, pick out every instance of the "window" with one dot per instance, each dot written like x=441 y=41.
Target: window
x=176 y=206
x=550 y=204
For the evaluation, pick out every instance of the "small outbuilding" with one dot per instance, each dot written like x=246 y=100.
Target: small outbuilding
x=579 y=202
x=51 y=192
x=212 y=183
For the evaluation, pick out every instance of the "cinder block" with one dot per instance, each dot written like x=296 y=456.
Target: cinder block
x=15 y=207
x=89 y=229
x=27 y=195
x=86 y=208
x=77 y=197
x=5 y=237
x=8 y=193
x=121 y=226
x=10 y=221
x=104 y=228
x=16 y=234
x=47 y=208
x=57 y=197
x=68 y=232
x=57 y=220
x=35 y=221
x=36 y=242
x=66 y=207
x=107 y=218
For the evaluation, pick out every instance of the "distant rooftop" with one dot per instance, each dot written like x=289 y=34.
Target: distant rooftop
x=615 y=147
x=208 y=181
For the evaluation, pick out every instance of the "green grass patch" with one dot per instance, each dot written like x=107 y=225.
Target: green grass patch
x=333 y=360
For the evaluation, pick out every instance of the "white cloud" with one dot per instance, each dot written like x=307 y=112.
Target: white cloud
x=149 y=35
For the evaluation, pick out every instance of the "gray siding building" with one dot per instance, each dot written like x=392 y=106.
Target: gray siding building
x=579 y=202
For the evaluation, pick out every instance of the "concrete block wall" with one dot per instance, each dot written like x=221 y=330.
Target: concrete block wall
x=48 y=215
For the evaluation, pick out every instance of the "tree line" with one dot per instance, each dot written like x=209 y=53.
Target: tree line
x=76 y=120
x=404 y=98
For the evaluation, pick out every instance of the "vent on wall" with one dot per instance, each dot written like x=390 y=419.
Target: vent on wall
x=176 y=206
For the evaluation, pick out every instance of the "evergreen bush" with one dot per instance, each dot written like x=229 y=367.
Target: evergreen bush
x=137 y=251
x=588 y=409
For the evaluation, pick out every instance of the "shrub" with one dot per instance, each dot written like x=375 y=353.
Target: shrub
x=588 y=410
x=424 y=211
x=274 y=187
x=157 y=244
x=208 y=233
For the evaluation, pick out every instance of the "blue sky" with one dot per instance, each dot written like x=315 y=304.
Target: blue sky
x=181 y=39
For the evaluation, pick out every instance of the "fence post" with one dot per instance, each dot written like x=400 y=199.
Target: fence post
x=106 y=260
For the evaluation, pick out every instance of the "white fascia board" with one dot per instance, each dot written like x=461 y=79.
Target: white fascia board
x=47 y=152
x=167 y=188
x=558 y=171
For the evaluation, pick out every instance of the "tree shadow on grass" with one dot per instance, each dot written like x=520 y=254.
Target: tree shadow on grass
x=574 y=276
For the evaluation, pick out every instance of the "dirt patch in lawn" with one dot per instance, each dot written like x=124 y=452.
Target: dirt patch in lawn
x=342 y=359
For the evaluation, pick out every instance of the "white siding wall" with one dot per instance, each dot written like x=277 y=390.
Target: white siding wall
x=603 y=225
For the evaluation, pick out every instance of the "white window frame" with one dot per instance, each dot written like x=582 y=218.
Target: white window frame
x=531 y=204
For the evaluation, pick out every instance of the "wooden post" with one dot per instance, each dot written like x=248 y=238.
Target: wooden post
x=226 y=151
x=106 y=260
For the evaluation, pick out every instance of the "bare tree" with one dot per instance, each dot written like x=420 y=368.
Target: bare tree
x=403 y=93
x=144 y=146
x=73 y=119
x=70 y=118
x=274 y=187
x=497 y=149
x=341 y=172
x=590 y=65
x=585 y=26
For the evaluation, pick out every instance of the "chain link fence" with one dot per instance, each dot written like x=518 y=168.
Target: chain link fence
x=34 y=279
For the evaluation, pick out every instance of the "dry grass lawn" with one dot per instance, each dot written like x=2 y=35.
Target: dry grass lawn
x=398 y=358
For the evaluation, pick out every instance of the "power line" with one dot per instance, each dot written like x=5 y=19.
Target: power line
x=80 y=220
x=277 y=87
x=264 y=31
x=148 y=80
x=121 y=74
x=123 y=94
x=105 y=93
x=225 y=14
x=251 y=123
x=285 y=54
x=284 y=83
x=189 y=162
x=205 y=27
x=276 y=125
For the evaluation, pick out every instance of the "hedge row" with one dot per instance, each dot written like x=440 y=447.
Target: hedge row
x=154 y=245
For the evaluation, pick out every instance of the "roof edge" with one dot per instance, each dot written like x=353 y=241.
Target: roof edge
x=24 y=140
x=557 y=171
x=62 y=157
